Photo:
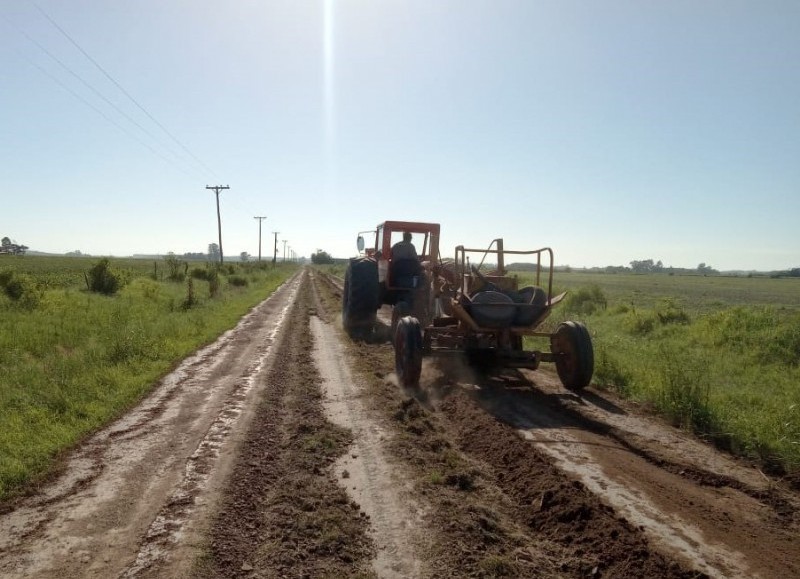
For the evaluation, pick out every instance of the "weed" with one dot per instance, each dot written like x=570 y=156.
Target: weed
x=190 y=300
x=684 y=388
x=609 y=372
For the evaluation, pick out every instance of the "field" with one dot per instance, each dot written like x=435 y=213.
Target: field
x=73 y=359
x=717 y=355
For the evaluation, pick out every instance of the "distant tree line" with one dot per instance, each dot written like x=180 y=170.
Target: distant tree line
x=636 y=266
x=8 y=247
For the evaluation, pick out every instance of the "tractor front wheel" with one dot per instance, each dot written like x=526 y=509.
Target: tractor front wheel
x=571 y=346
x=408 y=352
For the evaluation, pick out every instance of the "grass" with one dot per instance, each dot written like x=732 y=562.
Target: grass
x=74 y=360
x=716 y=355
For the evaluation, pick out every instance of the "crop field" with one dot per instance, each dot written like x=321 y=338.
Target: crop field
x=717 y=355
x=73 y=359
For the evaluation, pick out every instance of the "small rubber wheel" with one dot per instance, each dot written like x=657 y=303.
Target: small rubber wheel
x=408 y=352
x=571 y=346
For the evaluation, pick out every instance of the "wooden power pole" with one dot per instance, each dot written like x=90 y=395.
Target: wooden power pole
x=217 y=189
x=275 y=251
x=260 y=219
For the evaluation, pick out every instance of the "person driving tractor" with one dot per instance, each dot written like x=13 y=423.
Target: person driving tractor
x=405 y=262
x=404 y=249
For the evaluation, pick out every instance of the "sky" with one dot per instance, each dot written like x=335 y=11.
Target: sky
x=608 y=130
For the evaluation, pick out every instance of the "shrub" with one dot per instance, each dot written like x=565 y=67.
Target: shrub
x=587 y=300
x=237 y=280
x=175 y=265
x=668 y=312
x=21 y=289
x=200 y=273
x=639 y=325
x=104 y=279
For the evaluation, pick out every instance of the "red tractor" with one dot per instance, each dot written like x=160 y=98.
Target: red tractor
x=468 y=305
x=390 y=273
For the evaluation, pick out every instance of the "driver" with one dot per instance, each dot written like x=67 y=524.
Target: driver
x=404 y=249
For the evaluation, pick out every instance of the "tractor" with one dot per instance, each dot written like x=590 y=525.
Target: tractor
x=380 y=276
x=466 y=306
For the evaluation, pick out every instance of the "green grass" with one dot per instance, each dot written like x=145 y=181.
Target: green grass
x=75 y=360
x=716 y=355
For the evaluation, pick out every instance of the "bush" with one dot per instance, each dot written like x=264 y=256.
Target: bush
x=104 y=279
x=237 y=280
x=668 y=312
x=639 y=325
x=175 y=265
x=587 y=300
x=21 y=289
x=200 y=273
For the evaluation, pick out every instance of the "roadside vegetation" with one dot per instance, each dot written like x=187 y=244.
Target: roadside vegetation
x=82 y=340
x=717 y=355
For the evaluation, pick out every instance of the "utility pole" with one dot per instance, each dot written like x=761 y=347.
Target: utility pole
x=275 y=251
x=217 y=189
x=260 y=219
x=284 y=250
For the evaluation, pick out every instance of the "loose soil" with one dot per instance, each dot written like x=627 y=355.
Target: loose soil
x=285 y=449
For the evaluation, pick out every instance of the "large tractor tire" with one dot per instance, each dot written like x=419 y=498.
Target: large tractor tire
x=408 y=352
x=360 y=297
x=571 y=346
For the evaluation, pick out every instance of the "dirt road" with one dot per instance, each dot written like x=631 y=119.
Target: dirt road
x=286 y=450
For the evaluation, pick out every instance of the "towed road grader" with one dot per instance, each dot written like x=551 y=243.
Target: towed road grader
x=444 y=307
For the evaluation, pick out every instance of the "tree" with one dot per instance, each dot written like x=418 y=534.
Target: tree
x=244 y=256
x=321 y=257
x=642 y=266
x=213 y=252
x=705 y=269
x=9 y=247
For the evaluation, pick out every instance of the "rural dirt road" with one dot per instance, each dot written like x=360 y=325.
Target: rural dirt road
x=286 y=450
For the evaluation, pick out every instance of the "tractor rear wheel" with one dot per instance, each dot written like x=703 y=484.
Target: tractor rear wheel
x=571 y=346
x=360 y=297
x=408 y=352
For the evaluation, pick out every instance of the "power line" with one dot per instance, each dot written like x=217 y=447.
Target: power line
x=86 y=102
x=122 y=89
x=101 y=113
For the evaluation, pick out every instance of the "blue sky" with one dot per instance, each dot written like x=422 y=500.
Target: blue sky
x=607 y=130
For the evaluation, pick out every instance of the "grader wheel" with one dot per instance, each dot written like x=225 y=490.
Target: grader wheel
x=572 y=347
